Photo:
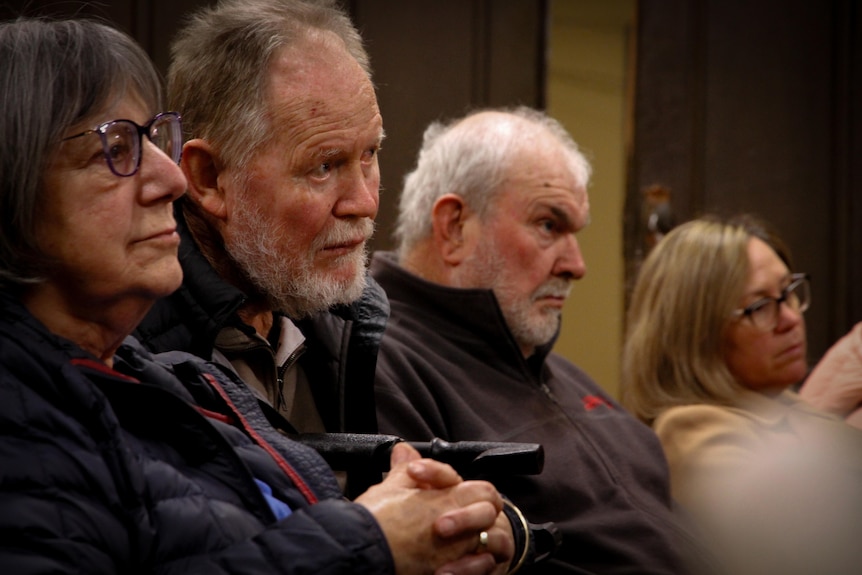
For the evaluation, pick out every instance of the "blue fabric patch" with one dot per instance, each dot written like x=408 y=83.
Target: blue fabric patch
x=279 y=508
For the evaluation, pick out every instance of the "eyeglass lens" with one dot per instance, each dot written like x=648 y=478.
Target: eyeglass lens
x=122 y=141
x=796 y=297
x=167 y=134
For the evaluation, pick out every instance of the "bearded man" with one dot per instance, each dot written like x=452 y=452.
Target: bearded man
x=487 y=252
x=281 y=162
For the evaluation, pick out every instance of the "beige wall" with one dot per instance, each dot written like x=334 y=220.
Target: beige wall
x=588 y=59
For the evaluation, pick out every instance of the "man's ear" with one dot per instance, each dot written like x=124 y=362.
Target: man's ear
x=450 y=217
x=200 y=165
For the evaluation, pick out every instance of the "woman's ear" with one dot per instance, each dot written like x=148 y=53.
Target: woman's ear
x=200 y=165
x=450 y=217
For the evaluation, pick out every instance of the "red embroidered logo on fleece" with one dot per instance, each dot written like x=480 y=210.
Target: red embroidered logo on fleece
x=593 y=401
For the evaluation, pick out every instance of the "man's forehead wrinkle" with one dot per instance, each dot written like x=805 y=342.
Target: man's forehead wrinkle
x=322 y=104
x=545 y=185
x=293 y=94
x=307 y=82
x=313 y=119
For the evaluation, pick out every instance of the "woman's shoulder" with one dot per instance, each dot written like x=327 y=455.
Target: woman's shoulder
x=706 y=430
x=748 y=408
x=699 y=415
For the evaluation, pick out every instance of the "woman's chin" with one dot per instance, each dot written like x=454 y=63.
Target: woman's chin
x=166 y=280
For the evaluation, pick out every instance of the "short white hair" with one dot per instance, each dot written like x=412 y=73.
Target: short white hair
x=473 y=161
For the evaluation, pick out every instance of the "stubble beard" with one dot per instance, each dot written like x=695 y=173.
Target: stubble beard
x=285 y=274
x=531 y=328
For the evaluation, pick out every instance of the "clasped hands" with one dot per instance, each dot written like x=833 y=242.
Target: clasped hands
x=433 y=519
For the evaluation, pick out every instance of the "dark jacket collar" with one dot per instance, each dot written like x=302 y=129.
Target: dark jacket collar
x=191 y=317
x=342 y=342
x=475 y=312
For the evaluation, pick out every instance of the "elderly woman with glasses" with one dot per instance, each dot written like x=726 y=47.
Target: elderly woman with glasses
x=111 y=460
x=715 y=343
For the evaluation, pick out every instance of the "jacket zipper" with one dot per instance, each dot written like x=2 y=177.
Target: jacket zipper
x=281 y=404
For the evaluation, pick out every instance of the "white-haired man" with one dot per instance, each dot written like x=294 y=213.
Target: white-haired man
x=487 y=253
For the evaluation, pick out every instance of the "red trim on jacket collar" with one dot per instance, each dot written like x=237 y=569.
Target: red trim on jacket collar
x=99 y=366
x=214 y=415
x=282 y=463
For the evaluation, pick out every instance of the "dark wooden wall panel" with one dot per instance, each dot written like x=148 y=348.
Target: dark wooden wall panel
x=768 y=136
x=516 y=52
x=847 y=209
x=667 y=105
x=151 y=22
x=424 y=69
x=436 y=61
x=748 y=107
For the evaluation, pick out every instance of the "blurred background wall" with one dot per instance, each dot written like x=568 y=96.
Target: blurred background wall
x=588 y=81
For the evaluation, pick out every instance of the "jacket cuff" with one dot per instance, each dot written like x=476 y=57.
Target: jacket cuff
x=355 y=529
x=533 y=542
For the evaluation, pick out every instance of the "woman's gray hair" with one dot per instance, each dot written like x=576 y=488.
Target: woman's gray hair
x=54 y=75
x=473 y=162
x=220 y=70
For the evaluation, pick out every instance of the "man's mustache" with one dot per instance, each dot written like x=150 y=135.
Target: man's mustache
x=556 y=287
x=343 y=231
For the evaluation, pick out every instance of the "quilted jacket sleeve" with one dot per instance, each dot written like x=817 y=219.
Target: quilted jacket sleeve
x=74 y=500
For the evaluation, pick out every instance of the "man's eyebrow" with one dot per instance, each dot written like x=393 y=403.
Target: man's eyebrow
x=325 y=153
x=328 y=152
x=561 y=215
x=566 y=219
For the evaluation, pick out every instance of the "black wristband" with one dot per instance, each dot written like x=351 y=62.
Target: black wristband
x=521 y=535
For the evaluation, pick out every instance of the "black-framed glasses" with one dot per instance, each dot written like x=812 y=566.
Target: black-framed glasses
x=764 y=312
x=122 y=141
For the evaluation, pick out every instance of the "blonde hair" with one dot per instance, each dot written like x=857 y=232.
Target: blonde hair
x=681 y=306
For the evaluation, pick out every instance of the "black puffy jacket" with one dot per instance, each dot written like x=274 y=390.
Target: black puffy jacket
x=127 y=470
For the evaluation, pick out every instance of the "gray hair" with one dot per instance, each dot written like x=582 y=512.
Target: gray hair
x=55 y=74
x=473 y=163
x=219 y=66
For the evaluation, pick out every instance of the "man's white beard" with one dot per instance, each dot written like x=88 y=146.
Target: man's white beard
x=486 y=269
x=284 y=274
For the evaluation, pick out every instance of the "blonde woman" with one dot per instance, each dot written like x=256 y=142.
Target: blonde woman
x=715 y=342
